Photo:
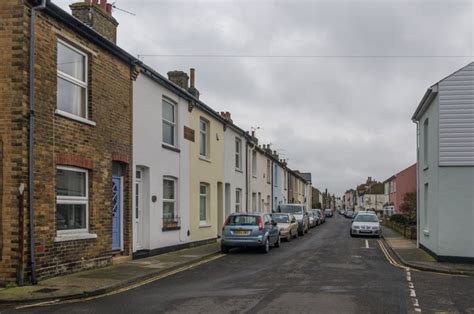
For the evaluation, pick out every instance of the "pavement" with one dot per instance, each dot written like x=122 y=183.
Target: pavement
x=410 y=255
x=104 y=280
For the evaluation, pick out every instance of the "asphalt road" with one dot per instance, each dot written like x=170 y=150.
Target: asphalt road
x=326 y=271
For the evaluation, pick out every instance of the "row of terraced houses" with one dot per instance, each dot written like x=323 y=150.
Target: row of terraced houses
x=107 y=158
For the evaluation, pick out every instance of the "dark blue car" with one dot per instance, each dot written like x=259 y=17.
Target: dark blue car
x=250 y=230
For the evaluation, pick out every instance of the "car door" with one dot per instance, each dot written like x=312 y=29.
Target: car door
x=271 y=228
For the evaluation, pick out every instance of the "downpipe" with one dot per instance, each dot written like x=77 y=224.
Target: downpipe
x=31 y=134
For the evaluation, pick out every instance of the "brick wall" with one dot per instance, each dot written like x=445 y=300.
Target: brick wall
x=13 y=124
x=59 y=140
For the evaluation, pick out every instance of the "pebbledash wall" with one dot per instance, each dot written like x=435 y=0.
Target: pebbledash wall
x=63 y=140
x=159 y=159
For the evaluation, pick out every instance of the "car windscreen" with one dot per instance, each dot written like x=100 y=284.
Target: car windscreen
x=291 y=209
x=366 y=218
x=281 y=218
x=243 y=220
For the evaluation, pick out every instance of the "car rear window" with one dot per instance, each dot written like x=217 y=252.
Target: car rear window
x=243 y=220
x=280 y=218
x=366 y=218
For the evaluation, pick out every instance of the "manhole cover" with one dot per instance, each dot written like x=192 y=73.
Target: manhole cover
x=46 y=290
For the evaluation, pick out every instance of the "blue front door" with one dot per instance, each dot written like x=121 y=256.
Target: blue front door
x=116 y=213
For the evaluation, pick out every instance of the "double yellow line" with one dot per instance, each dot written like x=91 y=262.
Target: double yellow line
x=390 y=259
x=133 y=286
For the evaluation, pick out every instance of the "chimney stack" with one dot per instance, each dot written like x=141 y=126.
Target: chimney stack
x=226 y=115
x=192 y=89
x=97 y=15
x=180 y=78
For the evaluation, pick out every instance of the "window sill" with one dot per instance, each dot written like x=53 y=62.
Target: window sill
x=74 y=236
x=253 y=176
x=74 y=117
x=204 y=159
x=239 y=170
x=426 y=232
x=172 y=148
x=425 y=167
x=204 y=225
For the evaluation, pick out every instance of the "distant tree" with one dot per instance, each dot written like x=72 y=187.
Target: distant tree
x=408 y=207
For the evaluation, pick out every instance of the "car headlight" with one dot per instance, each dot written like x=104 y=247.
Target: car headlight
x=355 y=227
x=375 y=228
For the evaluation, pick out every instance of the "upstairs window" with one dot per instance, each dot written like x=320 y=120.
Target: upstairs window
x=269 y=169
x=71 y=80
x=238 y=153
x=425 y=142
x=203 y=138
x=169 y=123
x=238 y=200
x=254 y=163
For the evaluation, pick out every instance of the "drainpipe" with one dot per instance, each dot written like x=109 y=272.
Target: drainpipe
x=31 y=137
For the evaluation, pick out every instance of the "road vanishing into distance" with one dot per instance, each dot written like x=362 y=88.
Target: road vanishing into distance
x=325 y=271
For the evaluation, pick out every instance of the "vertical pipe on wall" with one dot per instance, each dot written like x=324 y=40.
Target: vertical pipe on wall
x=31 y=137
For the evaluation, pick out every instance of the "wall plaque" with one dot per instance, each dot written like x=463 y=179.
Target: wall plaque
x=188 y=134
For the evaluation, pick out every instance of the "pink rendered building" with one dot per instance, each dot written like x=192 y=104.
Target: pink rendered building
x=400 y=184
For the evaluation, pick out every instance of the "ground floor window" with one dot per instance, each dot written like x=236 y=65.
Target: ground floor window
x=203 y=202
x=72 y=200
x=169 y=198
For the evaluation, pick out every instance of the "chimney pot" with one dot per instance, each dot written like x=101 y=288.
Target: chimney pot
x=191 y=74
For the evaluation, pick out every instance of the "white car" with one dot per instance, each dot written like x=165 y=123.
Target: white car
x=366 y=223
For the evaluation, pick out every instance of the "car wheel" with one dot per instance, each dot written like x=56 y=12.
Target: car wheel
x=224 y=249
x=266 y=246
x=278 y=242
x=289 y=237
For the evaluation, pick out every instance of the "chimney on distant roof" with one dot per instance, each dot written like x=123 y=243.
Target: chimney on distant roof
x=98 y=15
x=226 y=115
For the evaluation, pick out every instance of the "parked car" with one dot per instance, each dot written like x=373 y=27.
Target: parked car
x=250 y=230
x=300 y=214
x=349 y=213
x=328 y=212
x=366 y=223
x=313 y=218
x=322 y=217
x=287 y=224
x=341 y=212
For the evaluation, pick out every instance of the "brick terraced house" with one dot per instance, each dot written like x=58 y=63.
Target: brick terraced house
x=79 y=116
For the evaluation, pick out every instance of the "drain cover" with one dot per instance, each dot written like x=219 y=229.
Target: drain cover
x=46 y=290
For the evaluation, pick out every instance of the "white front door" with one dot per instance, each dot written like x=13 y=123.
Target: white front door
x=139 y=209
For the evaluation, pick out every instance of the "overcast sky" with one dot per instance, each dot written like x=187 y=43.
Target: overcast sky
x=331 y=84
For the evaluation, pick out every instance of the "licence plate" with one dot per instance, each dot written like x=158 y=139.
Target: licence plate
x=365 y=231
x=242 y=232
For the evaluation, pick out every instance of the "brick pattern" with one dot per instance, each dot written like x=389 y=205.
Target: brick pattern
x=13 y=127
x=59 y=140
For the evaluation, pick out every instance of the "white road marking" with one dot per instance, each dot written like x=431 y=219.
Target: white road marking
x=366 y=243
x=412 y=293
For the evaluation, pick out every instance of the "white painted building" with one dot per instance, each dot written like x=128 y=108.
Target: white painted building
x=160 y=164
x=280 y=184
x=235 y=162
x=260 y=184
x=445 y=167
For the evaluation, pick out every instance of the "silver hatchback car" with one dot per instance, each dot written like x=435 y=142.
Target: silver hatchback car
x=250 y=230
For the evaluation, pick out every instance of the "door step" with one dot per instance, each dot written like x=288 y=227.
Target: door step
x=120 y=259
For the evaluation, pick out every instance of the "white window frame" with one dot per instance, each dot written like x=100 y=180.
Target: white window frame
x=238 y=153
x=74 y=200
x=426 y=126
x=238 y=200
x=269 y=171
x=174 y=201
x=206 y=210
x=84 y=84
x=172 y=123
x=205 y=135
x=285 y=184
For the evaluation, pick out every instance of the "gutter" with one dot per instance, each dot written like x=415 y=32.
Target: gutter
x=425 y=102
x=31 y=137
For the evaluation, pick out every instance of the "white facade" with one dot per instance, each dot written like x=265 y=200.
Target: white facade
x=235 y=172
x=445 y=169
x=260 y=186
x=374 y=201
x=280 y=185
x=161 y=169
